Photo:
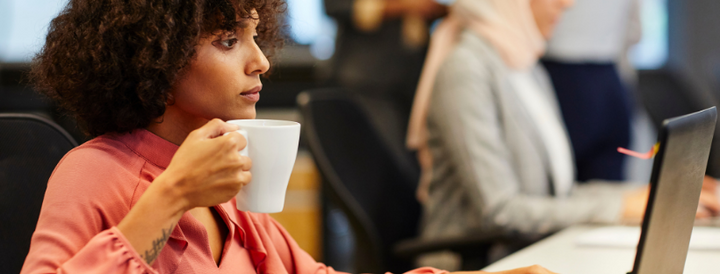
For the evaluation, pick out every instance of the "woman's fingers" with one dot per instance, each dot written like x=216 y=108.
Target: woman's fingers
x=235 y=141
x=709 y=201
x=710 y=184
x=702 y=213
x=245 y=163
x=244 y=177
x=215 y=128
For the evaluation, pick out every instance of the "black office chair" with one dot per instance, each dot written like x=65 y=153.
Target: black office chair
x=666 y=94
x=30 y=147
x=374 y=190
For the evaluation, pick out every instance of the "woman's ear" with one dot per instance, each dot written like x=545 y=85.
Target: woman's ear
x=169 y=99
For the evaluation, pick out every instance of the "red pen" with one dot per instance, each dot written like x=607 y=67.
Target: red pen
x=636 y=154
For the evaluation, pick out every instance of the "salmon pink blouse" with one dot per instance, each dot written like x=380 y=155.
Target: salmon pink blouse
x=95 y=185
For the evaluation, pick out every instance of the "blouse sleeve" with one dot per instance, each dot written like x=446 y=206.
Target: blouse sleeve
x=75 y=231
x=107 y=252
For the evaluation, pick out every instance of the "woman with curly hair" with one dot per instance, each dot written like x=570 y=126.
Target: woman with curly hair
x=153 y=81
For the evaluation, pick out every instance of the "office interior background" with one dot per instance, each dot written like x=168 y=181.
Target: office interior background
x=678 y=62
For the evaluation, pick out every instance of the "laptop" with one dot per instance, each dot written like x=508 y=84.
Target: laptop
x=675 y=185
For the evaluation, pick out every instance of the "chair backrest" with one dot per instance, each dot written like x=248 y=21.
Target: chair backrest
x=666 y=94
x=30 y=147
x=362 y=177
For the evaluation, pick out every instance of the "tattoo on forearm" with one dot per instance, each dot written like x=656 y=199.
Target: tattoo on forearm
x=157 y=246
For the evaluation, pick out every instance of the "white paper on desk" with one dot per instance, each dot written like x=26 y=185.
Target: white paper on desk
x=703 y=238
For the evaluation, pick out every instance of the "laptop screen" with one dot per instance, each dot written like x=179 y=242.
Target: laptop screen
x=675 y=186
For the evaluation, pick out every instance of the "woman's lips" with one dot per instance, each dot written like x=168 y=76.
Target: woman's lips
x=252 y=95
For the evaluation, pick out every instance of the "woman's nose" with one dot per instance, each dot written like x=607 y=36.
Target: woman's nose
x=258 y=63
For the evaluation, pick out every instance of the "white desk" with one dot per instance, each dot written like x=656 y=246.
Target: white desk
x=559 y=253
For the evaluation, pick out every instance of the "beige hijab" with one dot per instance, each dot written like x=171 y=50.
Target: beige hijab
x=508 y=25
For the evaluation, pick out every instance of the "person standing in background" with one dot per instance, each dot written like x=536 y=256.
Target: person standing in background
x=381 y=45
x=587 y=62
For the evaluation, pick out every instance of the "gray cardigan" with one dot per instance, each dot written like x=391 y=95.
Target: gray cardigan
x=491 y=172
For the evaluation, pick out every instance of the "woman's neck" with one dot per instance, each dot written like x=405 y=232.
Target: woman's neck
x=174 y=126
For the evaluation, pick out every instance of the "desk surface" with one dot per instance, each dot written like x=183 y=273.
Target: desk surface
x=559 y=253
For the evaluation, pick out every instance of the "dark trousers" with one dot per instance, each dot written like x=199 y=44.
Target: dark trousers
x=597 y=109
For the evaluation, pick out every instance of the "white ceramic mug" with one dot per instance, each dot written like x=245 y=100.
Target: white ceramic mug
x=272 y=146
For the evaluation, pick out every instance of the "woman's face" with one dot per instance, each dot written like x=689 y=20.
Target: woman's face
x=223 y=80
x=547 y=13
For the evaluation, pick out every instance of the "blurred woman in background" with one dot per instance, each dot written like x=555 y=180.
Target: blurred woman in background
x=495 y=154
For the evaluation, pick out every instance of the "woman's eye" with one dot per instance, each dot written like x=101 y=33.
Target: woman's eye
x=229 y=43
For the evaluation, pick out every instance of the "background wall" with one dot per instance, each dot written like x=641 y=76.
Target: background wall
x=694 y=44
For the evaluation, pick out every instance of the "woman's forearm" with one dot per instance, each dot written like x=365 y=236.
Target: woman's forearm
x=152 y=219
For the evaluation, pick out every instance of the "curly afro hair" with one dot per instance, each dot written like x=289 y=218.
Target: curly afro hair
x=111 y=63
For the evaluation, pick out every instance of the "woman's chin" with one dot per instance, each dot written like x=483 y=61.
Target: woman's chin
x=250 y=113
x=245 y=114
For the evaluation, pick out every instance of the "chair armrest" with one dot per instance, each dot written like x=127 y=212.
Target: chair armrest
x=461 y=244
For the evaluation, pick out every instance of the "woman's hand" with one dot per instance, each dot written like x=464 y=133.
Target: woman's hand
x=535 y=269
x=709 y=205
x=634 y=204
x=207 y=169
x=636 y=201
